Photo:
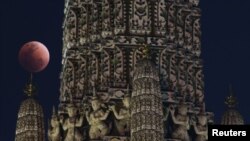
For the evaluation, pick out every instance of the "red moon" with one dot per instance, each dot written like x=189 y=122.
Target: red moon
x=34 y=56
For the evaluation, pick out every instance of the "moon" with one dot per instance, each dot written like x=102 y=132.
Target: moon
x=34 y=56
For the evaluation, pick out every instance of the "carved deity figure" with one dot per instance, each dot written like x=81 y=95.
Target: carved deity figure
x=200 y=127
x=140 y=21
x=119 y=20
x=123 y=117
x=181 y=122
x=54 y=131
x=71 y=124
x=96 y=120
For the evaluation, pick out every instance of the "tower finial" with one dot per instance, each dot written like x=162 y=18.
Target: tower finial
x=231 y=101
x=30 y=89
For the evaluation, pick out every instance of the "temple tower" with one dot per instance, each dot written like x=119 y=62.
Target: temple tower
x=102 y=42
x=30 y=120
x=146 y=108
x=231 y=116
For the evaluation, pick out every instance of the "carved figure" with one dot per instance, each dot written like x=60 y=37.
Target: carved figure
x=71 y=123
x=96 y=118
x=200 y=127
x=123 y=117
x=54 y=131
x=181 y=122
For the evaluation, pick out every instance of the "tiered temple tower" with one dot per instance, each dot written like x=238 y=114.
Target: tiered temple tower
x=103 y=61
x=30 y=120
x=146 y=105
x=232 y=116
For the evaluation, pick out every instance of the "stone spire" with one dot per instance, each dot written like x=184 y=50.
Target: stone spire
x=30 y=120
x=146 y=108
x=30 y=89
x=231 y=101
x=109 y=44
x=232 y=115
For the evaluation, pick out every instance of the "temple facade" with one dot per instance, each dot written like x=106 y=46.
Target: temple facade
x=131 y=71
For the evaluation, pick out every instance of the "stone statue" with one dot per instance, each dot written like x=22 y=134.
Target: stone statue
x=123 y=117
x=96 y=118
x=71 y=124
x=200 y=127
x=54 y=131
x=181 y=122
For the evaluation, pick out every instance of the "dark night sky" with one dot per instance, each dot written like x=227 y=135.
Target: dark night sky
x=225 y=51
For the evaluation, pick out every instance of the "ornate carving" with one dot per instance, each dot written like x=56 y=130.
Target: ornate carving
x=106 y=19
x=118 y=64
x=181 y=72
x=105 y=66
x=140 y=20
x=188 y=32
x=71 y=124
x=70 y=29
x=167 y=70
x=171 y=18
x=196 y=37
x=73 y=75
x=93 y=68
x=160 y=14
x=200 y=127
x=181 y=122
x=67 y=81
x=95 y=21
x=96 y=119
x=83 y=25
x=119 y=16
x=123 y=116
x=100 y=46
x=136 y=55
x=199 y=83
x=179 y=27
x=190 y=79
x=180 y=22
x=81 y=76
x=54 y=133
